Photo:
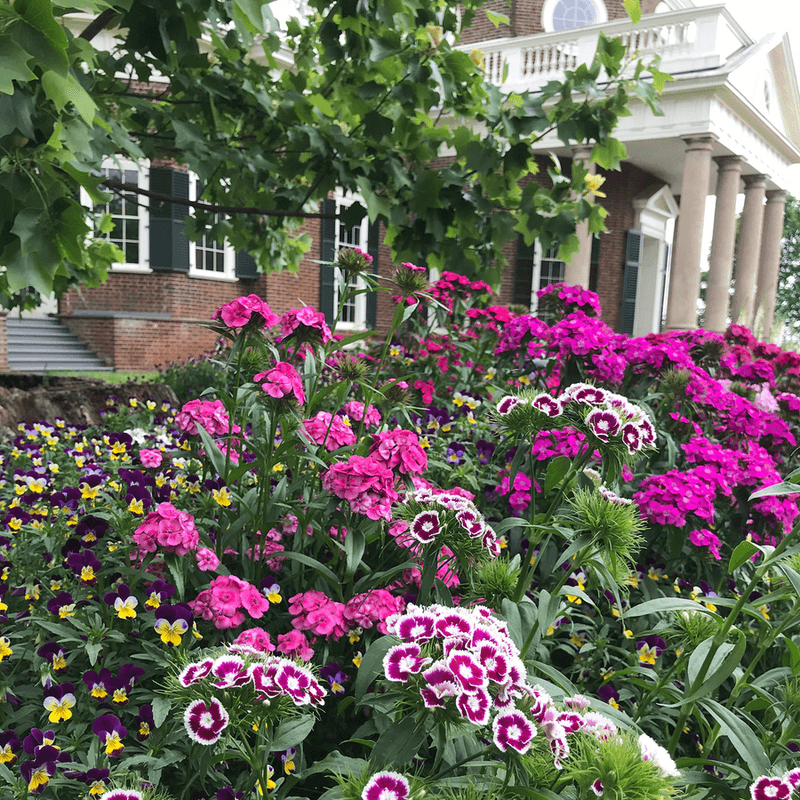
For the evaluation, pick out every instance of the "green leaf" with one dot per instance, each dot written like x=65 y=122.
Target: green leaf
x=322 y=104
x=213 y=453
x=399 y=743
x=13 y=65
x=291 y=732
x=249 y=12
x=634 y=10
x=741 y=736
x=372 y=665
x=93 y=651
x=776 y=489
x=556 y=470
x=326 y=572
x=725 y=660
x=609 y=153
x=337 y=764
x=663 y=605
x=161 y=707
x=741 y=553
x=497 y=19
x=63 y=89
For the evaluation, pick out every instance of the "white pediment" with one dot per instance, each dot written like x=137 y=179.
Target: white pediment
x=768 y=81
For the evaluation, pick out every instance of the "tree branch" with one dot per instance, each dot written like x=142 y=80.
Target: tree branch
x=97 y=24
x=118 y=186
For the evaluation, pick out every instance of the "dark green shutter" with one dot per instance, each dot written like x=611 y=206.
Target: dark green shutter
x=246 y=267
x=327 y=249
x=594 y=264
x=523 y=272
x=169 y=245
x=630 y=280
x=373 y=249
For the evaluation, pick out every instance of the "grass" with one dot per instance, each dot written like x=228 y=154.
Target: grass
x=111 y=377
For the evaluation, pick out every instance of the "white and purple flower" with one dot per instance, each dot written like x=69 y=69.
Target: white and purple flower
x=386 y=786
x=205 y=722
x=513 y=730
x=426 y=526
x=403 y=660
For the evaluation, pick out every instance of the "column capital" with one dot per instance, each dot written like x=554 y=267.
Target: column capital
x=581 y=151
x=705 y=141
x=777 y=196
x=729 y=162
x=755 y=181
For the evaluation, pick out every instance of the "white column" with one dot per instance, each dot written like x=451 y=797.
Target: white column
x=722 y=244
x=684 y=282
x=576 y=272
x=770 y=260
x=743 y=304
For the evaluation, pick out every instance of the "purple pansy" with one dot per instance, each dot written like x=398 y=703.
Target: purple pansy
x=111 y=732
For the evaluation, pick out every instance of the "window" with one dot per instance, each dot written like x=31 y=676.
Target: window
x=353 y=314
x=563 y=15
x=208 y=257
x=534 y=270
x=128 y=214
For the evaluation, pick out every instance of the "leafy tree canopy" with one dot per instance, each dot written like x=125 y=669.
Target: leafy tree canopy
x=787 y=300
x=375 y=95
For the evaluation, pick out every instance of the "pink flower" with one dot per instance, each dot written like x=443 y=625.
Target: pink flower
x=168 y=528
x=204 y=722
x=332 y=431
x=207 y=560
x=150 y=458
x=280 y=381
x=295 y=645
x=307 y=324
x=400 y=449
x=355 y=410
x=242 y=310
x=513 y=730
x=365 y=483
x=704 y=538
x=211 y=415
x=316 y=612
x=256 y=638
x=253 y=601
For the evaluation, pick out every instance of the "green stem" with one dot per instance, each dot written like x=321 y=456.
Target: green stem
x=465 y=760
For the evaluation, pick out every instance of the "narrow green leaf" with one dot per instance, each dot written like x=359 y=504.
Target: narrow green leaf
x=372 y=665
x=161 y=708
x=291 y=732
x=556 y=471
x=93 y=651
x=741 y=736
x=776 y=489
x=741 y=553
x=663 y=605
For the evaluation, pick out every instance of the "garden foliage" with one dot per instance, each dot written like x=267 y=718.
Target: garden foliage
x=486 y=556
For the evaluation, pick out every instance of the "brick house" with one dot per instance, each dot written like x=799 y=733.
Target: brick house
x=731 y=116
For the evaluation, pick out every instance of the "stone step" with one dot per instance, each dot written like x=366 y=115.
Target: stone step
x=43 y=344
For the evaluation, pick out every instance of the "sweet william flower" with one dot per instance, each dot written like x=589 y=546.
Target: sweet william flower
x=386 y=786
x=205 y=721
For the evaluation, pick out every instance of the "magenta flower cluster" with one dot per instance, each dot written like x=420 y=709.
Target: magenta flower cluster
x=365 y=483
x=227 y=599
x=243 y=310
x=167 y=528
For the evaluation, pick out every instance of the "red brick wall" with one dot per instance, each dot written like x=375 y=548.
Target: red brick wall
x=3 y=342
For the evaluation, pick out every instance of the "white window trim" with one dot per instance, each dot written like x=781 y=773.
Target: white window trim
x=601 y=15
x=143 y=170
x=344 y=200
x=228 y=273
x=536 y=275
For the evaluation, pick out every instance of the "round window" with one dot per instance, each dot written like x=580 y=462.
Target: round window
x=573 y=14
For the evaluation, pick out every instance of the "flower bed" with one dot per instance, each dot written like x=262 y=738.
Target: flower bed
x=488 y=556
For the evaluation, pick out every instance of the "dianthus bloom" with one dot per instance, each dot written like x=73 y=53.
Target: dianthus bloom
x=210 y=414
x=365 y=483
x=226 y=600
x=281 y=381
x=400 y=449
x=150 y=458
x=315 y=612
x=372 y=608
x=242 y=310
x=168 y=528
x=255 y=639
x=306 y=324
x=329 y=430
x=355 y=410
x=704 y=538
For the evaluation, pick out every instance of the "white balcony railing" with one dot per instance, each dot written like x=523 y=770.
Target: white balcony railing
x=688 y=40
